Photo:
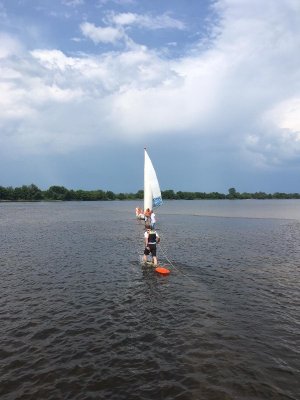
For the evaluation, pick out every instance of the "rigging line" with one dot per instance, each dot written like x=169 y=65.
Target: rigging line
x=177 y=269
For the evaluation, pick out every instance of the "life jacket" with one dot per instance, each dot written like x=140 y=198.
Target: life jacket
x=152 y=237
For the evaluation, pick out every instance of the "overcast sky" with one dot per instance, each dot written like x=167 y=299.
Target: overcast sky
x=212 y=88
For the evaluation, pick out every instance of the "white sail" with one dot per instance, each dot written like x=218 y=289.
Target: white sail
x=152 y=194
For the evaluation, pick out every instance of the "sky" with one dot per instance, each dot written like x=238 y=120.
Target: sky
x=211 y=88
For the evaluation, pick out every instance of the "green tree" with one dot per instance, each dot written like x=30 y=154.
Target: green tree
x=121 y=196
x=56 y=193
x=4 y=194
x=34 y=193
x=232 y=194
x=168 y=194
x=139 y=194
x=110 y=195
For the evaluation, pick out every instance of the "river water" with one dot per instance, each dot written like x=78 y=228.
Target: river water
x=82 y=319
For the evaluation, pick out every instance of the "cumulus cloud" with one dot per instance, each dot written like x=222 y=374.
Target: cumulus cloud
x=114 y=32
x=53 y=59
x=277 y=137
x=259 y=42
x=101 y=34
x=242 y=89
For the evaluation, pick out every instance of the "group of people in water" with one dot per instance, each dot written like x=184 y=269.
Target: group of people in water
x=151 y=237
x=148 y=216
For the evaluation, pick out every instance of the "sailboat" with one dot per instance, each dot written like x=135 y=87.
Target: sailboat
x=152 y=193
x=152 y=197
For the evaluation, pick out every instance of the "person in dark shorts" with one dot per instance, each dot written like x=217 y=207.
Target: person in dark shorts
x=151 y=239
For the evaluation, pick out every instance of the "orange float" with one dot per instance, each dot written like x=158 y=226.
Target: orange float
x=163 y=271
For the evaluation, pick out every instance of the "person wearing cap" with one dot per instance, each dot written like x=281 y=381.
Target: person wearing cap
x=151 y=240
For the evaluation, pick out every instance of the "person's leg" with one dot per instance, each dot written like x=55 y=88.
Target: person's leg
x=153 y=253
x=146 y=253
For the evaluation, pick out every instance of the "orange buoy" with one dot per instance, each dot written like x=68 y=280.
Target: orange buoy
x=163 y=271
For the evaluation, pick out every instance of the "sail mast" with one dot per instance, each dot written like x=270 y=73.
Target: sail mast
x=147 y=183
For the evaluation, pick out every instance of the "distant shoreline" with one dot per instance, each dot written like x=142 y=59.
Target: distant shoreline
x=133 y=200
x=32 y=193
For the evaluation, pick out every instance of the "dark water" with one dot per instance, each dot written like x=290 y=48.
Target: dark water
x=81 y=319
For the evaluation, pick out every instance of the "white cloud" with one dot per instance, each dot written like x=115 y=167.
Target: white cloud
x=53 y=59
x=101 y=35
x=114 y=32
x=286 y=115
x=73 y=3
x=242 y=90
x=119 y=2
x=9 y=45
x=124 y=18
x=278 y=137
x=147 y=21
x=12 y=106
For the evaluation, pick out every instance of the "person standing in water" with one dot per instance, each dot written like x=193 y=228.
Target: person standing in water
x=147 y=214
x=152 y=220
x=151 y=240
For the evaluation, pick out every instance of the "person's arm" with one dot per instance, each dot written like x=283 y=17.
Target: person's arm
x=146 y=239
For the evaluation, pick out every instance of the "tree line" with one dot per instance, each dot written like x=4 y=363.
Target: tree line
x=60 y=193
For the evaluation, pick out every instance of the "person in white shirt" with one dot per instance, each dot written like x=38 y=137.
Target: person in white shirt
x=152 y=220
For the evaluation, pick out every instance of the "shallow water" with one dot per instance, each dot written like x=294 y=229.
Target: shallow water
x=81 y=319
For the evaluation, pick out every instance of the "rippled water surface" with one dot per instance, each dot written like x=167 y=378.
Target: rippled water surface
x=82 y=319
